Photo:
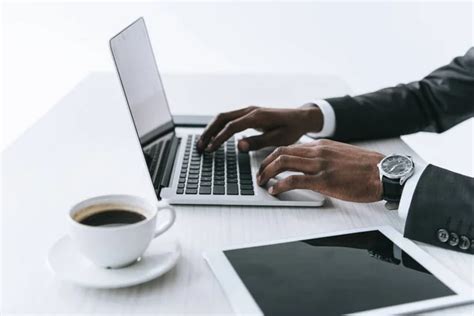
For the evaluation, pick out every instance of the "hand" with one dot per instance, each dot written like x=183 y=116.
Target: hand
x=279 y=127
x=334 y=169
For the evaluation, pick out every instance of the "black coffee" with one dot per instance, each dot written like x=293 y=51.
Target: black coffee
x=112 y=218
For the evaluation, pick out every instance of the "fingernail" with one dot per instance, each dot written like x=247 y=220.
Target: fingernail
x=208 y=148
x=199 y=144
x=259 y=179
x=243 y=145
x=271 y=190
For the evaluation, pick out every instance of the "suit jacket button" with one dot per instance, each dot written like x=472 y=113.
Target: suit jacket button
x=453 y=239
x=464 y=242
x=443 y=235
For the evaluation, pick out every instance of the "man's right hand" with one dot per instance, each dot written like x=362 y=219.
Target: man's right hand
x=279 y=127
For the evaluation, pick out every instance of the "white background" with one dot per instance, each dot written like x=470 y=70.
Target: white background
x=48 y=48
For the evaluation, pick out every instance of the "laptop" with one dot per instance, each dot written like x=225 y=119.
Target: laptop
x=177 y=171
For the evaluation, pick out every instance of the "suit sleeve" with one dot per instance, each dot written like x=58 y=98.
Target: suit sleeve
x=441 y=211
x=436 y=103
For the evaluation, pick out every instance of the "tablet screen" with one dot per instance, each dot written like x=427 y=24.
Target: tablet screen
x=333 y=275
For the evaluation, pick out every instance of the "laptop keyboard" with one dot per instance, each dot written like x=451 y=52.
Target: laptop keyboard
x=223 y=172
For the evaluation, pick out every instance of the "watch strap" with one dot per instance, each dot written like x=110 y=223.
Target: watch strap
x=392 y=190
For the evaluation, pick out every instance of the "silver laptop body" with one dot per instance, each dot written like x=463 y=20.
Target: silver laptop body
x=177 y=172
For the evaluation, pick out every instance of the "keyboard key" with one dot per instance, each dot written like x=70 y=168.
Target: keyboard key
x=205 y=184
x=246 y=187
x=191 y=191
x=232 y=189
x=180 y=185
x=193 y=181
x=180 y=191
x=244 y=181
x=191 y=186
x=218 y=190
x=205 y=190
x=247 y=192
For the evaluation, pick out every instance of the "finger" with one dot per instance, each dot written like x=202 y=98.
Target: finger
x=218 y=123
x=292 y=183
x=232 y=127
x=270 y=138
x=284 y=150
x=288 y=163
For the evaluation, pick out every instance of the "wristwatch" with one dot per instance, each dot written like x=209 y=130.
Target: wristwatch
x=394 y=171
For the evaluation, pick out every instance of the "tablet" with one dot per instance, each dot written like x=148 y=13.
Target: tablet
x=372 y=270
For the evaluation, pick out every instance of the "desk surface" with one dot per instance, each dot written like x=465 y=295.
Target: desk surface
x=79 y=149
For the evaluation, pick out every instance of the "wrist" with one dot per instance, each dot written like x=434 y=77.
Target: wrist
x=378 y=178
x=312 y=117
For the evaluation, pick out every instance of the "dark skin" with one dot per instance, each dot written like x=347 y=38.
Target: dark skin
x=279 y=127
x=335 y=169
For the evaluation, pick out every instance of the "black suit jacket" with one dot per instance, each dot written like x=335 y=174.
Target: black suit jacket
x=442 y=205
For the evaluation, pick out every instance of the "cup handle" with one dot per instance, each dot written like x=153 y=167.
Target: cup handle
x=165 y=226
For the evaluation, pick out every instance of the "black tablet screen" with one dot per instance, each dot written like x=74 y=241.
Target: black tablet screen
x=333 y=275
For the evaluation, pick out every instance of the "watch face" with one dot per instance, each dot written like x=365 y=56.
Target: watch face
x=396 y=166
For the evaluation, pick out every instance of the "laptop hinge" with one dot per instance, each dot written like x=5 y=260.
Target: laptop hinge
x=157 y=133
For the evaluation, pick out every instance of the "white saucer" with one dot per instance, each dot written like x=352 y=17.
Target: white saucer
x=68 y=264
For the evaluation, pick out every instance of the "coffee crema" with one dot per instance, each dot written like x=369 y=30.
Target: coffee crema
x=109 y=215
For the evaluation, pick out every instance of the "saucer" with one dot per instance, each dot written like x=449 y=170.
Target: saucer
x=68 y=264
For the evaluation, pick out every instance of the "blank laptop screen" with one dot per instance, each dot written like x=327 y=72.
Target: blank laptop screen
x=141 y=81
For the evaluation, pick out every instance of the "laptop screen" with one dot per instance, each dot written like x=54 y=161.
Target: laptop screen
x=141 y=82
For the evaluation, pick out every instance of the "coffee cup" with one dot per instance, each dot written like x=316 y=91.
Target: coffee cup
x=113 y=231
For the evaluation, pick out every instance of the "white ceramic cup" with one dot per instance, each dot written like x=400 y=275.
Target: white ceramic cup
x=117 y=246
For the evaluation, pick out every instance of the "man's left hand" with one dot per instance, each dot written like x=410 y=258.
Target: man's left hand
x=332 y=168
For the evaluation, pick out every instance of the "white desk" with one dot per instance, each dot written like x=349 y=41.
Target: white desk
x=86 y=146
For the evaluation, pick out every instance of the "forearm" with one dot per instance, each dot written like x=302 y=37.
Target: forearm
x=439 y=101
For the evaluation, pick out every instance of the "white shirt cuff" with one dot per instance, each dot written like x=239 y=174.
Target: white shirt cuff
x=409 y=189
x=329 y=120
